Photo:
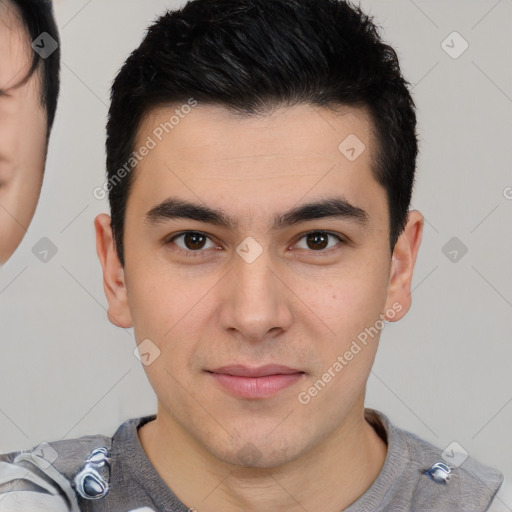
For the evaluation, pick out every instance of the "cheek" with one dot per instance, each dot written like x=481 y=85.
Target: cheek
x=166 y=309
x=32 y=138
x=28 y=153
x=25 y=145
x=172 y=319
x=151 y=305
x=350 y=298
x=352 y=309
x=12 y=234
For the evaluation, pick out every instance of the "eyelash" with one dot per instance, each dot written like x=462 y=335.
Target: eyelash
x=194 y=254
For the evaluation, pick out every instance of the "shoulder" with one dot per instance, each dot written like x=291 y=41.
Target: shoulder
x=66 y=455
x=41 y=478
x=470 y=485
x=442 y=479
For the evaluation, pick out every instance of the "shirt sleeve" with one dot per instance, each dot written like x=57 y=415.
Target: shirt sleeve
x=27 y=487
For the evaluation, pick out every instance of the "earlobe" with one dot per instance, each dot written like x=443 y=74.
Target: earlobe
x=402 y=265
x=113 y=273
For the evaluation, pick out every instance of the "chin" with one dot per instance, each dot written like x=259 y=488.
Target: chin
x=257 y=451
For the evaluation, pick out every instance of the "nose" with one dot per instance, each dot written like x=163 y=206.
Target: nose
x=257 y=304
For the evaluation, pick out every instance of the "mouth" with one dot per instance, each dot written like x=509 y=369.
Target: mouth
x=255 y=382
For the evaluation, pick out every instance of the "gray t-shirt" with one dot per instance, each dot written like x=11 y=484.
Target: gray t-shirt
x=56 y=476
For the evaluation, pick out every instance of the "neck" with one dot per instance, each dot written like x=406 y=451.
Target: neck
x=328 y=477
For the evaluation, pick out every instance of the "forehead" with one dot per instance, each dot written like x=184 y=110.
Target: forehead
x=211 y=132
x=209 y=152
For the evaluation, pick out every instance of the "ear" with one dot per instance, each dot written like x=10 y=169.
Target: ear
x=113 y=273
x=402 y=266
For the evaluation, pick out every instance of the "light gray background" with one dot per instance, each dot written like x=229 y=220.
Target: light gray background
x=443 y=372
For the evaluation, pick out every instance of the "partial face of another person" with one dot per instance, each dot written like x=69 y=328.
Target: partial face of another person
x=258 y=286
x=23 y=132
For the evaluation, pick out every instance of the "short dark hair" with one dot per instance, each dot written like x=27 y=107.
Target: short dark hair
x=37 y=17
x=253 y=55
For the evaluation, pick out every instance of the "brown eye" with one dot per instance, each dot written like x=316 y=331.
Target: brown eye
x=191 y=242
x=194 y=241
x=318 y=241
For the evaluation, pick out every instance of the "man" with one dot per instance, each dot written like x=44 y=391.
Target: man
x=260 y=159
x=29 y=88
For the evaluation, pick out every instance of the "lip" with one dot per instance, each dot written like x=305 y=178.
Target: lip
x=239 y=370
x=255 y=382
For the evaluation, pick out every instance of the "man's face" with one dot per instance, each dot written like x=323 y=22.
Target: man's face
x=22 y=134
x=258 y=292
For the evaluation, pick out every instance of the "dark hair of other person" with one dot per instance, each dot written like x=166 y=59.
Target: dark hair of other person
x=37 y=17
x=251 y=56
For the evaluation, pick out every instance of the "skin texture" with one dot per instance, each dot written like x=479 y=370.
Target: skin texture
x=293 y=305
x=23 y=134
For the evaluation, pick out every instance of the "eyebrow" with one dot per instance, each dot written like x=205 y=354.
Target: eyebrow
x=332 y=207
